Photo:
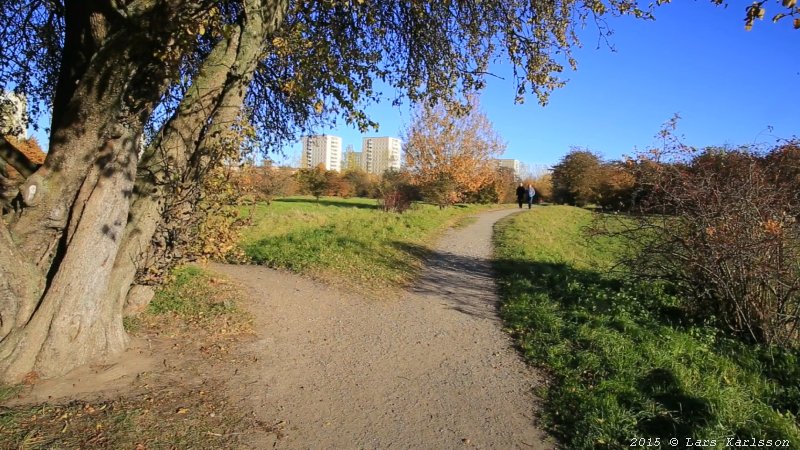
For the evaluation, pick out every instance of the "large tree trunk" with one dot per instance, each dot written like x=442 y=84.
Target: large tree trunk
x=67 y=261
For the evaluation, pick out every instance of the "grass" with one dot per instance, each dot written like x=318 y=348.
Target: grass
x=623 y=359
x=194 y=307
x=348 y=240
x=193 y=299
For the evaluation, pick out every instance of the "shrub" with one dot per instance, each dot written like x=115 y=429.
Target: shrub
x=336 y=185
x=363 y=184
x=576 y=178
x=615 y=190
x=396 y=201
x=544 y=187
x=721 y=224
x=441 y=190
x=313 y=181
x=274 y=182
x=490 y=193
x=396 y=192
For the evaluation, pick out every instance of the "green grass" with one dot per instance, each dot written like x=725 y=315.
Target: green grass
x=348 y=240
x=190 y=292
x=193 y=299
x=623 y=359
x=6 y=392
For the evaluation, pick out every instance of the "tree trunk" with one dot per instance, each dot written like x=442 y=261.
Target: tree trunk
x=208 y=109
x=68 y=260
x=168 y=154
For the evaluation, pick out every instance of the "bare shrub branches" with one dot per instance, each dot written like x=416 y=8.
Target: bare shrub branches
x=722 y=225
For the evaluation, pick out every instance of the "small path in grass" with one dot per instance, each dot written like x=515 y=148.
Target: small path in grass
x=428 y=368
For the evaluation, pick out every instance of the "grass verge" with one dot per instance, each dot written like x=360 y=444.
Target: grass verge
x=198 y=312
x=193 y=300
x=624 y=362
x=348 y=240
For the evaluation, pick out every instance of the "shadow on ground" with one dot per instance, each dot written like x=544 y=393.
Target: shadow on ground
x=466 y=283
x=607 y=343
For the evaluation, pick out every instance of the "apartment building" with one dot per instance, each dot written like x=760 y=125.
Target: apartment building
x=322 y=149
x=13 y=115
x=512 y=164
x=379 y=154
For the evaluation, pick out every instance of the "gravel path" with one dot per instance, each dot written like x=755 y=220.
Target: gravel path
x=425 y=369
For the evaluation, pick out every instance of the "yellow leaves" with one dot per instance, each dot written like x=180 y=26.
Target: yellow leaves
x=773 y=227
x=598 y=7
x=289 y=87
x=797 y=24
x=279 y=43
x=754 y=11
x=318 y=106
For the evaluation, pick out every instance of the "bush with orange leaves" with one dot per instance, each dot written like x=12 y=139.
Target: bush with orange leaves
x=723 y=226
x=450 y=152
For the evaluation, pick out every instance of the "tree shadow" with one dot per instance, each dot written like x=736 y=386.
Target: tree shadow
x=558 y=280
x=463 y=283
x=581 y=312
x=328 y=202
x=682 y=414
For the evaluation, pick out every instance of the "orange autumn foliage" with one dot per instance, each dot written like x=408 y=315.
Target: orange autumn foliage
x=451 y=151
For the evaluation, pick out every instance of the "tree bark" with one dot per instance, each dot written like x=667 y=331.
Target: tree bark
x=62 y=246
x=207 y=110
x=66 y=329
x=68 y=260
x=168 y=153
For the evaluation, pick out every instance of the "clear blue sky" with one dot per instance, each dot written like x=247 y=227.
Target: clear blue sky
x=695 y=59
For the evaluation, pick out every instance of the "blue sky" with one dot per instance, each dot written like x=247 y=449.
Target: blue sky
x=728 y=85
x=695 y=59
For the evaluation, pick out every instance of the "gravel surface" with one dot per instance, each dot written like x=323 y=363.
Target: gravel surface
x=429 y=368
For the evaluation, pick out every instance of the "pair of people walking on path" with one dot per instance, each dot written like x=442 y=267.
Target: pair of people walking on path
x=525 y=194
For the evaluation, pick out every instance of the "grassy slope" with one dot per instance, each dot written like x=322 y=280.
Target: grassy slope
x=624 y=361
x=346 y=240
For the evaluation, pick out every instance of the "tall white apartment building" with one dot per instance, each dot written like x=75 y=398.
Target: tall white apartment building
x=512 y=164
x=322 y=149
x=13 y=115
x=379 y=154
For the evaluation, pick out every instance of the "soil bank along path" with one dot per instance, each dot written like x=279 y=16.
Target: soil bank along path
x=429 y=368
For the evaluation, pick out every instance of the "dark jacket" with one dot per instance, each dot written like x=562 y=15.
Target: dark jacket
x=521 y=193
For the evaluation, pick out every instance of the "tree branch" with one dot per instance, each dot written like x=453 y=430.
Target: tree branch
x=13 y=156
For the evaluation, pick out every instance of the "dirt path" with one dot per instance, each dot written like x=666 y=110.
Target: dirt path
x=428 y=369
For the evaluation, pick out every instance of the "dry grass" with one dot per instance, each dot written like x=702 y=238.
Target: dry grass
x=197 y=315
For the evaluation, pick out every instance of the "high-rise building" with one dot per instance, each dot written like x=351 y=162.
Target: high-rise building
x=13 y=115
x=322 y=149
x=379 y=154
x=512 y=164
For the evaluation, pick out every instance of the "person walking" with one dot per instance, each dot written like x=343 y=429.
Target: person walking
x=531 y=194
x=521 y=193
